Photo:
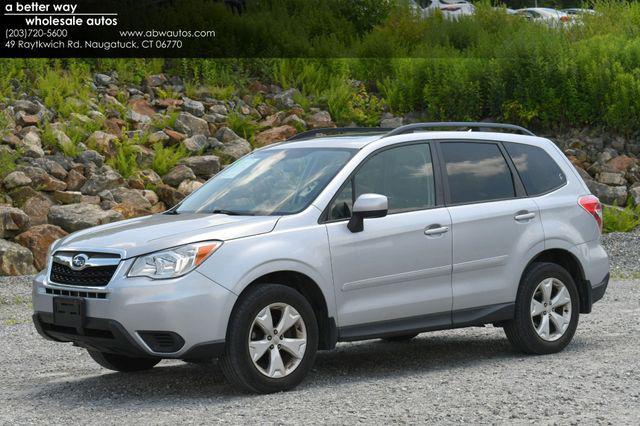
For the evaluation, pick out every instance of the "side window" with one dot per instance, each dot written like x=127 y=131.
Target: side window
x=403 y=174
x=538 y=171
x=476 y=172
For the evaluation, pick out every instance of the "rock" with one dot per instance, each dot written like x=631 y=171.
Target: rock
x=38 y=239
x=391 y=122
x=137 y=118
x=41 y=180
x=130 y=196
x=12 y=221
x=196 y=144
x=274 y=120
x=150 y=196
x=634 y=193
x=149 y=177
x=144 y=155
x=608 y=194
x=16 y=179
x=174 y=137
x=284 y=100
x=91 y=156
x=103 y=178
x=158 y=136
x=104 y=143
x=129 y=211
x=295 y=121
x=219 y=109
x=142 y=107
x=320 y=119
x=68 y=197
x=75 y=180
x=236 y=148
x=167 y=103
x=12 y=140
x=52 y=167
x=277 y=134
x=621 y=163
x=74 y=217
x=178 y=174
x=21 y=194
x=32 y=145
x=611 y=178
x=15 y=259
x=618 y=143
x=90 y=199
x=158 y=208
x=168 y=195
x=114 y=126
x=203 y=166
x=26 y=106
x=102 y=79
x=193 y=107
x=26 y=120
x=37 y=208
x=215 y=118
x=226 y=135
x=191 y=125
x=188 y=186
x=155 y=80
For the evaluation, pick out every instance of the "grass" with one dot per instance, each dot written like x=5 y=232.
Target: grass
x=166 y=158
x=242 y=125
x=159 y=122
x=616 y=219
x=8 y=160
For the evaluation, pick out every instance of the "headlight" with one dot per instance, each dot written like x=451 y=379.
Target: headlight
x=174 y=262
x=50 y=251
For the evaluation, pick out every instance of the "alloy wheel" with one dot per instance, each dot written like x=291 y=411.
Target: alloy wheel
x=277 y=340
x=551 y=309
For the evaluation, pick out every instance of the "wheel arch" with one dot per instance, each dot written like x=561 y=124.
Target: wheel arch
x=570 y=262
x=308 y=287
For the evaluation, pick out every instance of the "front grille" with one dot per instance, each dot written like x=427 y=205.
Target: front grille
x=92 y=276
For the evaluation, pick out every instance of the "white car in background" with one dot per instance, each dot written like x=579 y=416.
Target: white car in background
x=551 y=17
x=449 y=8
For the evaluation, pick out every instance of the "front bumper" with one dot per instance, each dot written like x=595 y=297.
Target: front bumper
x=129 y=313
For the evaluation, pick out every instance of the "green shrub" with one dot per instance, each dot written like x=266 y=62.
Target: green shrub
x=8 y=160
x=616 y=219
x=167 y=158
x=242 y=125
x=125 y=160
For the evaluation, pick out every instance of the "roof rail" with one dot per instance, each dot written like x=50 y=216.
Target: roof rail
x=470 y=125
x=338 y=131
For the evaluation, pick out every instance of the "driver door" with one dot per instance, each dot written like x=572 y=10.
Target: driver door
x=392 y=276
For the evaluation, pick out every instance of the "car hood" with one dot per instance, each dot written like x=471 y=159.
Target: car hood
x=143 y=235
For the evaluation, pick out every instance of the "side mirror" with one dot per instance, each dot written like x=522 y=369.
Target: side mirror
x=367 y=206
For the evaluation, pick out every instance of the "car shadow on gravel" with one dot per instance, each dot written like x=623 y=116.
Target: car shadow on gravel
x=365 y=361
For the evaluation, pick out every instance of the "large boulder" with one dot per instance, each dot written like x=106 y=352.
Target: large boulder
x=68 y=197
x=188 y=186
x=15 y=259
x=74 y=217
x=16 y=179
x=285 y=99
x=178 y=174
x=320 y=119
x=41 y=180
x=196 y=144
x=611 y=178
x=37 y=208
x=103 y=142
x=38 y=239
x=193 y=107
x=277 y=134
x=103 y=178
x=203 y=166
x=133 y=197
x=75 y=180
x=191 y=125
x=236 y=148
x=168 y=195
x=12 y=221
x=608 y=194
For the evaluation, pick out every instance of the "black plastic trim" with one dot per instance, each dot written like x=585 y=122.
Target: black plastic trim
x=337 y=131
x=598 y=291
x=205 y=350
x=431 y=322
x=467 y=124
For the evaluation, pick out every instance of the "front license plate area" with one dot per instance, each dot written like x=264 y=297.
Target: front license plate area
x=68 y=312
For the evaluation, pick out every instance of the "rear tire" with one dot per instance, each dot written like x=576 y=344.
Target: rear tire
x=259 y=318
x=546 y=311
x=400 y=338
x=122 y=363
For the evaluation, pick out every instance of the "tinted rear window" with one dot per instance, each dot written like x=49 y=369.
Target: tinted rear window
x=476 y=172
x=538 y=171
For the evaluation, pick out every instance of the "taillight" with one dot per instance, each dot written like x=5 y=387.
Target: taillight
x=592 y=205
x=564 y=18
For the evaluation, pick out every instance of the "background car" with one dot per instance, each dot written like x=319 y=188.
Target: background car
x=449 y=8
x=551 y=17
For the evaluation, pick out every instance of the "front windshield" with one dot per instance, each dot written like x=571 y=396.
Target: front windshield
x=270 y=182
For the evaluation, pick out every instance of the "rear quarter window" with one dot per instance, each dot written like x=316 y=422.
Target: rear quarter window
x=539 y=172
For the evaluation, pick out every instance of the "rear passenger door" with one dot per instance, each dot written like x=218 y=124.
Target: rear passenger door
x=495 y=227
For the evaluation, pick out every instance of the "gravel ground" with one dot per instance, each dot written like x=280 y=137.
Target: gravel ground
x=469 y=375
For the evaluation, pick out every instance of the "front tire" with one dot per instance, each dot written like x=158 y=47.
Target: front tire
x=272 y=340
x=546 y=312
x=122 y=363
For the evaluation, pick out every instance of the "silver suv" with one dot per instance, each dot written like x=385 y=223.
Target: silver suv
x=337 y=235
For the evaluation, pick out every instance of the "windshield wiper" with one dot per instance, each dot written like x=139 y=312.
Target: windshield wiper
x=230 y=212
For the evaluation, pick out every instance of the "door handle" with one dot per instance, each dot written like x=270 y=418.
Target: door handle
x=524 y=216
x=435 y=230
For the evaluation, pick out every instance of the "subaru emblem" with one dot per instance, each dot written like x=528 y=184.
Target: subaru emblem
x=79 y=261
